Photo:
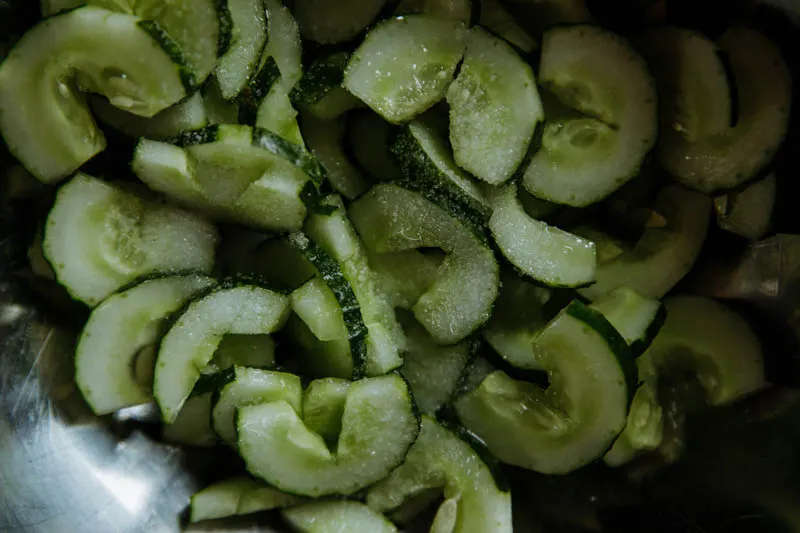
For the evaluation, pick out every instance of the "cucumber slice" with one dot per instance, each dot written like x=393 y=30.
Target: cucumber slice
x=119 y=331
x=325 y=139
x=636 y=318
x=517 y=320
x=573 y=422
x=738 y=154
x=644 y=430
x=254 y=351
x=190 y=343
x=439 y=459
x=368 y=137
x=248 y=38
x=708 y=338
x=316 y=305
x=433 y=372
x=330 y=516
x=494 y=109
x=284 y=44
x=252 y=386
x=187 y=115
x=192 y=426
x=458 y=10
x=258 y=87
x=335 y=234
x=378 y=427
x=320 y=90
x=405 y=65
x=334 y=22
x=392 y=219
x=662 y=256
x=277 y=115
x=57 y=135
x=99 y=238
x=547 y=254
x=323 y=407
x=219 y=110
x=691 y=74
x=337 y=361
x=427 y=163
x=194 y=25
x=237 y=496
x=748 y=213
x=495 y=18
x=596 y=72
x=404 y=276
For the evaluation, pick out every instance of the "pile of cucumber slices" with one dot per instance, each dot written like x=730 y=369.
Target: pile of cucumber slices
x=379 y=247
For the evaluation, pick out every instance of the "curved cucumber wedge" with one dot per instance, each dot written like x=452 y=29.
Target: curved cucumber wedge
x=598 y=73
x=392 y=219
x=117 y=333
x=248 y=38
x=748 y=212
x=284 y=44
x=251 y=386
x=237 y=496
x=494 y=109
x=111 y=54
x=323 y=407
x=738 y=154
x=416 y=56
x=378 y=427
x=99 y=238
x=575 y=420
x=545 y=253
x=190 y=343
x=439 y=459
x=330 y=516
x=189 y=114
x=638 y=319
x=662 y=256
x=644 y=430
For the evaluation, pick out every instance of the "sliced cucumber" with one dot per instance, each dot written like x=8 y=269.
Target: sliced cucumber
x=237 y=496
x=99 y=238
x=596 y=72
x=547 y=254
x=194 y=25
x=439 y=459
x=277 y=115
x=316 y=305
x=190 y=343
x=258 y=87
x=254 y=351
x=248 y=38
x=662 y=256
x=192 y=426
x=284 y=44
x=368 y=139
x=499 y=21
x=494 y=109
x=330 y=516
x=405 y=65
x=636 y=318
x=219 y=110
x=706 y=337
x=320 y=90
x=392 y=219
x=378 y=427
x=644 y=430
x=187 y=115
x=336 y=235
x=252 y=386
x=325 y=140
x=738 y=154
x=459 y=10
x=96 y=51
x=323 y=407
x=748 y=212
x=696 y=98
x=575 y=420
x=405 y=276
x=335 y=22
x=118 y=332
x=433 y=372
x=427 y=163
x=517 y=320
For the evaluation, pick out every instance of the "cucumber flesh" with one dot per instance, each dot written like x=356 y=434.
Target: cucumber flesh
x=573 y=421
x=323 y=407
x=439 y=459
x=57 y=135
x=404 y=276
x=284 y=44
x=248 y=38
x=495 y=18
x=254 y=351
x=459 y=10
x=405 y=65
x=99 y=238
x=378 y=427
x=494 y=109
x=237 y=496
x=192 y=426
x=636 y=318
x=330 y=516
x=334 y=22
x=190 y=343
x=187 y=115
x=644 y=430
x=748 y=212
x=118 y=331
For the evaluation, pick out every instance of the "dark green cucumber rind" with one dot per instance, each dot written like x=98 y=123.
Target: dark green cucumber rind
x=482 y=451
x=211 y=383
x=225 y=27
x=639 y=346
x=256 y=90
x=324 y=74
x=422 y=176
x=204 y=135
x=333 y=277
x=173 y=51
x=314 y=199
x=616 y=343
x=293 y=153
